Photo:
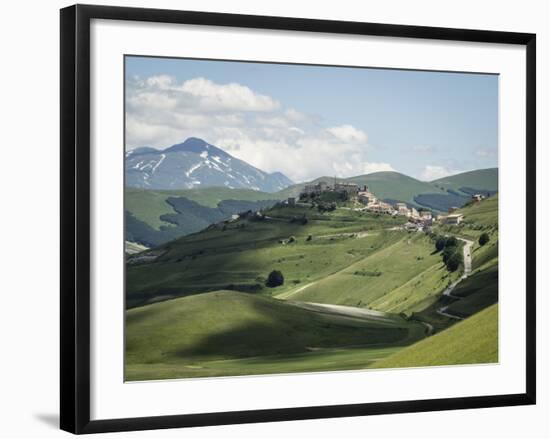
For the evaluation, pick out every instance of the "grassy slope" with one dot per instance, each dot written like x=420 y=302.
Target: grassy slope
x=396 y=186
x=474 y=340
x=478 y=218
x=168 y=339
x=484 y=213
x=401 y=277
x=243 y=255
x=478 y=179
x=226 y=332
x=480 y=290
x=211 y=196
x=486 y=254
x=149 y=205
x=417 y=293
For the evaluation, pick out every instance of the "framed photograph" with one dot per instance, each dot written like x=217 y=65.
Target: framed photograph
x=268 y=218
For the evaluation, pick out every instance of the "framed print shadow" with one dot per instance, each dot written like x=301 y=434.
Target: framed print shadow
x=273 y=218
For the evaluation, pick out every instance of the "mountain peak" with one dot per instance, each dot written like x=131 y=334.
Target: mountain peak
x=196 y=163
x=192 y=144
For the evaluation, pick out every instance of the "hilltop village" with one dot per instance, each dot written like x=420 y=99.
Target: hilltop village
x=363 y=199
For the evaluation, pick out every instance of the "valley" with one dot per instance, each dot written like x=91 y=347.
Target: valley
x=359 y=290
x=290 y=218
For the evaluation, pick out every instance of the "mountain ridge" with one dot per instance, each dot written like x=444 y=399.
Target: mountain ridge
x=196 y=163
x=394 y=186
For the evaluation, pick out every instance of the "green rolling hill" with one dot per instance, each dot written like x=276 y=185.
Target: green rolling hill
x=395 y=186
x=148 y=205
x=386 y=185
x=357 y=289
x=157 y=216
x=480 y=289
x=480 y=180
x=400 y=277
x=153 y=218
x=474 y=340
x=437 y=195
x=226 y=332
x=484 y=214
x=240 y=255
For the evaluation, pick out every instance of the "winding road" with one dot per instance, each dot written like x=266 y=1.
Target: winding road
x=467 y=253
x=370 y=315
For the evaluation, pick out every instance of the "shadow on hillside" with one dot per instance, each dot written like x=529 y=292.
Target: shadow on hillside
x=282 y=328
x=471 y=296
x=187 y=256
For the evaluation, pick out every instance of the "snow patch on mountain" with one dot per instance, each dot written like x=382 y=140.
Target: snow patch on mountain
x=195 y=162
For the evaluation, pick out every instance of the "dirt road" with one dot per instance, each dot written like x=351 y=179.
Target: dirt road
x=467 y=256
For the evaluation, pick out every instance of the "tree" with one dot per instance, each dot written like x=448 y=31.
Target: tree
x=454 y=261
x=484 y=238
x=275 y=279
x=447 y=253
x=451 y=241
x=440 y=243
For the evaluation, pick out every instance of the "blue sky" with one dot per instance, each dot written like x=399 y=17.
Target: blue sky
x=307 y=121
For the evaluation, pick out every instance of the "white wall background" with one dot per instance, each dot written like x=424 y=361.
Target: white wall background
x=29 y=219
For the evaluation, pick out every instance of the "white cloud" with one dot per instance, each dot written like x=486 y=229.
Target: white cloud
x=433 y=172
x=229 y=119
x=161 y=81
x=250 y=126
x=297 y=130
x=152 y=100
x=231 y=96
x=295 y=116
x=273 y=121
x=348 y=133
x=301 y=158
x=369 y=168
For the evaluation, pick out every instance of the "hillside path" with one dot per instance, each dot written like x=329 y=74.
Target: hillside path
x=467 y=256
x=356 y=235
x=287 y=294
x=346 y=311
x=381 y=318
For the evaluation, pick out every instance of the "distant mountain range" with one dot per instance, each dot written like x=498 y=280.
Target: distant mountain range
x=437 y=195
x=186 y=187
x=157 y=216
x=196 y=164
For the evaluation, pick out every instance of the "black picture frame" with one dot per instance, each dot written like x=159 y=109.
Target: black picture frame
x=75 y=217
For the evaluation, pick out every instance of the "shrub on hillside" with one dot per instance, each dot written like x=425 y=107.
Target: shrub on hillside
x=275 y=279
x=451 y=241
x=302 y=220
x=326 y=207
x=447 y=253
x=454 y=261
x=483 y=238
x=440 y=243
